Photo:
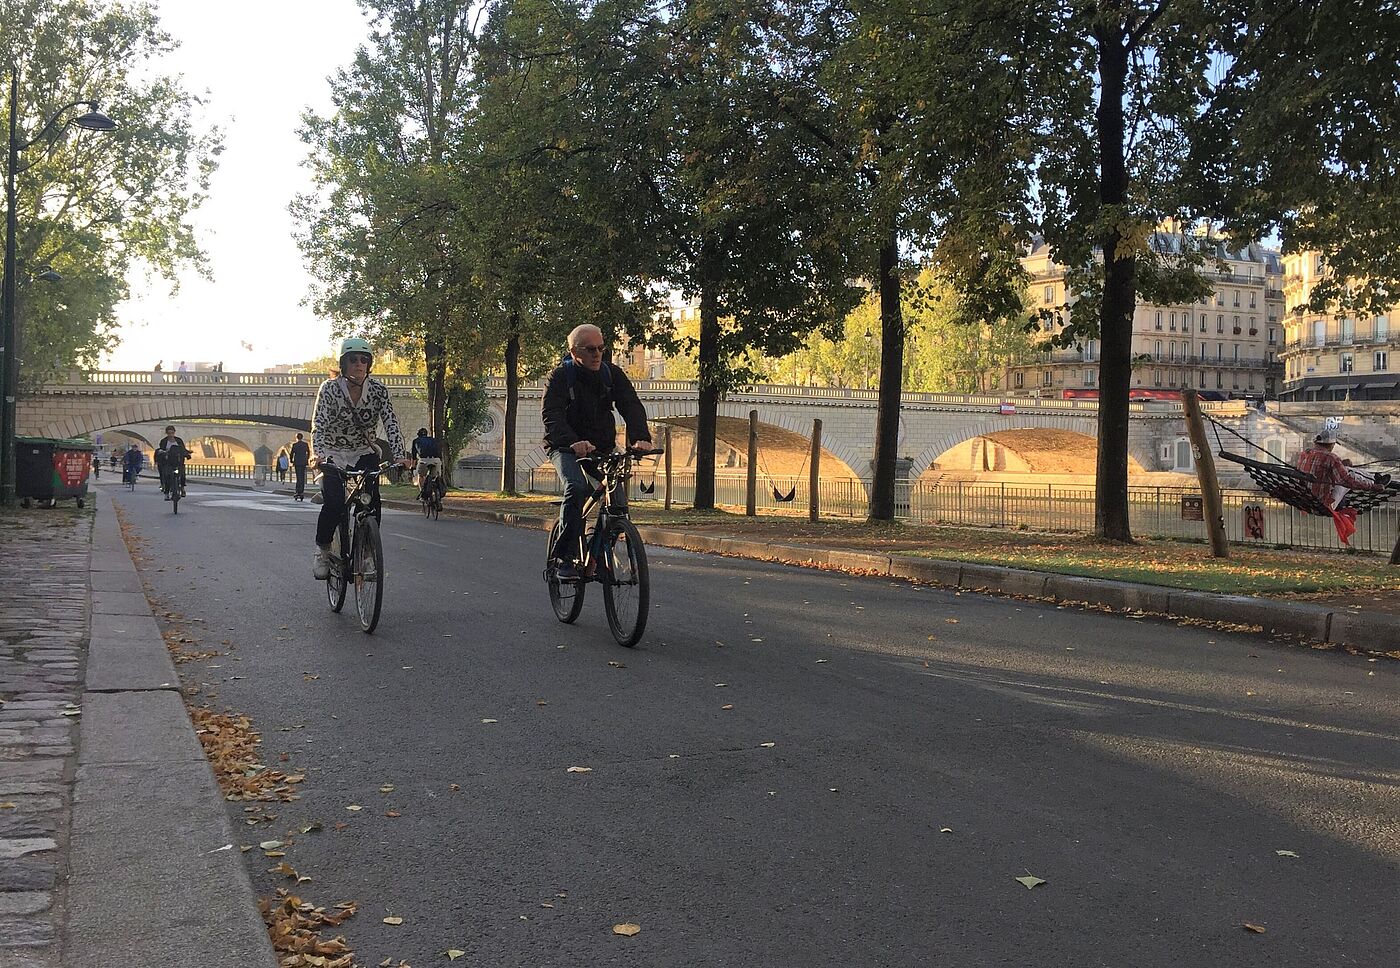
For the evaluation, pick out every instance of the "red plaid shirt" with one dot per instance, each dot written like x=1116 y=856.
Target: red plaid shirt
x=1328 y=471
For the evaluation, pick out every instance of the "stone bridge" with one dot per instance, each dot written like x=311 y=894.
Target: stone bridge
x=930 y=423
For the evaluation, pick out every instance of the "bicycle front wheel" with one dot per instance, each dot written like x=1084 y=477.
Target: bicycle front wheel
x=368 y=564
x=565 y=596
x=626 y=586
x=336 y=582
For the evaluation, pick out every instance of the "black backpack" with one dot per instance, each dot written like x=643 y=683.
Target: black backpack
x=571 y=378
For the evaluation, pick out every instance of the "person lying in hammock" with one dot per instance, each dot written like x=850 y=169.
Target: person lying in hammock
x=1332 y=479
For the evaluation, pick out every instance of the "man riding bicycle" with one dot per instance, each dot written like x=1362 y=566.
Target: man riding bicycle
x=578 y=421
x=429 y=457
x=131 y=463
x=348 y=411
x=171 y=454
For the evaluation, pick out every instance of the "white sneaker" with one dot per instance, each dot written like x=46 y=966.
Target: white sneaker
x=321 y=568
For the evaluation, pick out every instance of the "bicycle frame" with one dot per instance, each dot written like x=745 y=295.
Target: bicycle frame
x=616 y=471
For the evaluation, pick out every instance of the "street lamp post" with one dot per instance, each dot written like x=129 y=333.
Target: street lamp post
x=93 y=120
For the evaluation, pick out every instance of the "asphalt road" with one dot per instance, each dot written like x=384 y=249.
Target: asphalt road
x=895 y=756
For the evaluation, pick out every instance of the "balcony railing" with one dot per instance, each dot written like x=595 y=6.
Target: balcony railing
x=1337 y=339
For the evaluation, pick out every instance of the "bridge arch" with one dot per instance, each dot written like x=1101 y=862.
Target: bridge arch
x=291 y=413
x=945 y=442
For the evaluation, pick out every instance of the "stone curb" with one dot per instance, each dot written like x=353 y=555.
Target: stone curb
x=1369 y=630
x=155 y=877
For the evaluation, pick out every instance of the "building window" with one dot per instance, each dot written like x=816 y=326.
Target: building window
x=1219 y=380
x=1156 y=378
x=1237 y=326
x=1173 y=322
x=1382 y=361
x=1251 y=301
x=1237 y=352
x=1382 y=327
x=1203 y=322
x=1045 y=378
x=1157 y=350
x=1171 y=377
x=1049 y=294
x=1237 y=299
x=1273 y=336
x=1089 y=377
x=1251 y=381
x=1220 y=351
x=1158 y=323
x=1020 y=380
x=1220 y=324
x=1203 y=351
x=1220 y=299
x=1203 y=379
x=1347 y=363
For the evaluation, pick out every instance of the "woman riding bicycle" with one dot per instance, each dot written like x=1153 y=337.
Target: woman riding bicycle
x=348 y=411
x=578 y=421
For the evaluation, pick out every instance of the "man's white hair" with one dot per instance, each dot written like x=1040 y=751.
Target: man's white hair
x=578 y=332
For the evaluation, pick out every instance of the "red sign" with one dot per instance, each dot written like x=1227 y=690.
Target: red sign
x=1008 y=408
x=70 y=467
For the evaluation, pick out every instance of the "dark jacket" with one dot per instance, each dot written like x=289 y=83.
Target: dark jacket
x=589 y=414
x=301 y=453
x=425 y=447
x=168 y=448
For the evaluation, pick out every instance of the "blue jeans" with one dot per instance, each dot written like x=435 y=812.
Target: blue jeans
x=577 y=489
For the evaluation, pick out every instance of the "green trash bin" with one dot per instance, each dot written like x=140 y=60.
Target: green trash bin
x=49 y=470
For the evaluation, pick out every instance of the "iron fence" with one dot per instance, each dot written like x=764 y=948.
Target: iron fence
x=1251 y=517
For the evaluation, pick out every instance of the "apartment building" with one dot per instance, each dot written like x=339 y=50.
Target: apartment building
x=1227 y=343
x=1330 y=356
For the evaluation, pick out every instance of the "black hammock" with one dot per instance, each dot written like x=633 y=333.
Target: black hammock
x=1294 y=487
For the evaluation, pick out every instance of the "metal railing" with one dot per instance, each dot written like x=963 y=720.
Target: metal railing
x=238 y=472
x=1153 y=511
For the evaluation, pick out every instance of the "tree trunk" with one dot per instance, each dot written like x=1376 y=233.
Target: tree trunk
x=435 y=358
x=508 y=484
x=1119 y=297
x=891 y=383
x=709 y=384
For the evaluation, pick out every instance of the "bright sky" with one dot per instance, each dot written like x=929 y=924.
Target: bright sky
x=262 y=63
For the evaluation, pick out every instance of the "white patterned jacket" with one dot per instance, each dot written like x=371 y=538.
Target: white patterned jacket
x=344 y=431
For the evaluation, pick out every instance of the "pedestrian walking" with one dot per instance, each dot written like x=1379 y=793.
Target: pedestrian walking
x=183 y=373
x=301 y=457
x=96 y=466
x=282 y=465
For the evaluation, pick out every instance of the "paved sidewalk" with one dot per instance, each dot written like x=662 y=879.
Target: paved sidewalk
x=115 y=847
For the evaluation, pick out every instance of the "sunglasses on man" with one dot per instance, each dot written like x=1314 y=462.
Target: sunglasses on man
x=357 y=358
x=589 y=349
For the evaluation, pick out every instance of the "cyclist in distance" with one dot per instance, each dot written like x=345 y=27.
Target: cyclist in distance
x=578 y=417
x=131 y=463
x=426 y=452
x=348 y=411
x=171 y=454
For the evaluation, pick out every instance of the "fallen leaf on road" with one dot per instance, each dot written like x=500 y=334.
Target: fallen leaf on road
x=541 y=702
x=270 y=844
x=453 y=787
x=579 y=769
x=1285 y=853
x=1255 y=928
x=486 y=722
x=392 y=813
x=768 y=746
x=729 y=706
x=453 y=954
x=395 y=921
x=627 y=930
x=354 y=808
x=546 y=904
x=614 y=664
x=945 y=830
x=721 y=685
x=275 y=853
x=828 y=660
x=387 y=788
x=7 y=805
x=1030 y=880
x=951 y=621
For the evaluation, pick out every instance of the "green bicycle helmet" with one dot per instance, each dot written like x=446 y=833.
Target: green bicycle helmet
x=354 y=344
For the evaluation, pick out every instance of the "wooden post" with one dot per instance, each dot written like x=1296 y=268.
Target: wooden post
x=814 y=474
x=1395 y=555
x=666 y=442
x=1205 y=473
x=751 y=487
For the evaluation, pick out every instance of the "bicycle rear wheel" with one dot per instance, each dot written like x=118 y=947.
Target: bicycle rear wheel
x=368 y=564
x=626 y=585
x=565 y=596
x=336 y=582
x=175 y=500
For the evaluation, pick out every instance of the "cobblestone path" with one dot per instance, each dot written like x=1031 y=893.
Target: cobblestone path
x=44 y=558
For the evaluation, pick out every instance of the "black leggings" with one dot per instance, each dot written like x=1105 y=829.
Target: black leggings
x=333 y=496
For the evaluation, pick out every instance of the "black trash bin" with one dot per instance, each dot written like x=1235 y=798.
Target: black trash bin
x=49 y=470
